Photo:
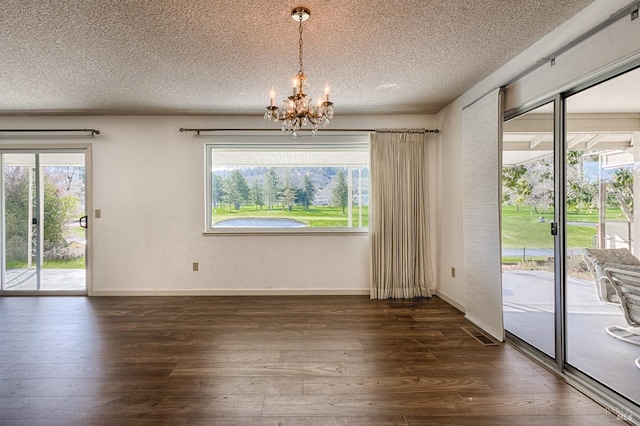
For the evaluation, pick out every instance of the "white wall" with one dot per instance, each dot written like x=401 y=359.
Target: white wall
x=615 y=42
x=148 y=181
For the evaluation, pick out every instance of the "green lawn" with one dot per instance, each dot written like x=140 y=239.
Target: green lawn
x=49 y=264
x=60 y=264
x=316 y=216
x=523 y=228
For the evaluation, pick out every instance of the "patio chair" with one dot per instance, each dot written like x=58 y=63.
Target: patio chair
x=595 y=260
x=625 y=279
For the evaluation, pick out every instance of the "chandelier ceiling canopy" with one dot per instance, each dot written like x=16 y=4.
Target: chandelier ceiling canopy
x=299 y=110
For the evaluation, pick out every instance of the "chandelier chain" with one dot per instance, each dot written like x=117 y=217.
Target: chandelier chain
x=300 y=41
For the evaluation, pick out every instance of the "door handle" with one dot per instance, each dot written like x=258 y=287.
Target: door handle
x=554 y=228
x=83 y=222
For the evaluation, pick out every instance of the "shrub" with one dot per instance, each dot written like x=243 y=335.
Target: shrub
x=62 y=252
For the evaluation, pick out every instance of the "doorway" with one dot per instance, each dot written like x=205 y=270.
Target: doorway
x=602 y=153
x=575 y=159
x=528 y=228
x=43 y=234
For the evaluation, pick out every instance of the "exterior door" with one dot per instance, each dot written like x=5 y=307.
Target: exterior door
x=528 y=226
x=43 y=242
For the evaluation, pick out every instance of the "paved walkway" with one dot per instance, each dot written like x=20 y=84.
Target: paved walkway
x=51 y=279
x=533 y=252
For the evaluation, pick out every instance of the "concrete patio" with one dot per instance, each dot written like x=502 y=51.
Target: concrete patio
x=50 y=280
x=528 y=301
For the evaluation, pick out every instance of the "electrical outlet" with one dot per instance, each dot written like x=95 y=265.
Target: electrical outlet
x=195 y=266
x=98 y=213
x=453 y=272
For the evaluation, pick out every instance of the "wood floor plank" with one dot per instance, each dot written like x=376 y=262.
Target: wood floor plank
x=359 y=405
x=184 y=356
x=159 y=407
x=559 y=403
x=299 y=360
x=223 y=369
x=28 y=407
x=302 y=421
x=517 y=420
x=381 y=385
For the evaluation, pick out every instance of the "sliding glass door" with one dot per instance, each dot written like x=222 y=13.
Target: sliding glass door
x=43 y=222
x=602 y=153
x=570 y=168
x=528 y=219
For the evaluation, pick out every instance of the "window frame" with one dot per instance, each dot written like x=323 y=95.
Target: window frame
x=337 y=142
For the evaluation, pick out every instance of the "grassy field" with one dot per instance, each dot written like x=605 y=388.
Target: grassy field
x=316 y=216
x=523 y=228
x=49 y=264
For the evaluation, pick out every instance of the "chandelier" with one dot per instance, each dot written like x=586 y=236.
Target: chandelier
x=298 y=110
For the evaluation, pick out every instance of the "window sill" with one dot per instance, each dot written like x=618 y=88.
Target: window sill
x=226 y=232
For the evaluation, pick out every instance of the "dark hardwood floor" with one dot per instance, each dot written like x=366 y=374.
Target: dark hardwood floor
x=334 y=360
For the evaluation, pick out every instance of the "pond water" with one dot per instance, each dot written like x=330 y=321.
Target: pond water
x=259 y=222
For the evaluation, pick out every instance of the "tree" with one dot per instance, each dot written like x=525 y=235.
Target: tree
x=270 y=188
x=237 y=189
x=16 y=187
x=581 y=190
x=256 y=195
x=523 y=191
x=217 y=190
x=65 y=176
x=622 y=186
x=513 y=179
x=307 y=192
x=301 y=198
x=540 y=177
x=340 y=192
x=580 y=194
x=287 y=196
x=58 y=208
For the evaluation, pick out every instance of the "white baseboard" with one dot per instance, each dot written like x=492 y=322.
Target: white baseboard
x=236 y=292
x=451 y=301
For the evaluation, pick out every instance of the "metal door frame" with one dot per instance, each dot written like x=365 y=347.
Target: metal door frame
x=49 y=149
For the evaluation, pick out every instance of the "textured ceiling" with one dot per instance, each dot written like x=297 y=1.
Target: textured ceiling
x=221 y=57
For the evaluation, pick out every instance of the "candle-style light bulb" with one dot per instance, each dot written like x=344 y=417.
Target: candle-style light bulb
x=319 y=100
x=294 y=84
x=326 y=92
x=272 y=94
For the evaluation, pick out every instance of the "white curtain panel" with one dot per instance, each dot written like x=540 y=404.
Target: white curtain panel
x=481 y=140
x=399 y=216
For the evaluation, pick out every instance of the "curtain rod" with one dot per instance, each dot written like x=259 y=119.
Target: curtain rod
x=323 y=130
x=93 y=132
x=405 y=130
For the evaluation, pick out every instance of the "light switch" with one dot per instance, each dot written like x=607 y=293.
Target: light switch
x=98 y=213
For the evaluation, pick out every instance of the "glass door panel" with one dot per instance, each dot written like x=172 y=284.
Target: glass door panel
x=43 y=199
x=64 y=240
x=528 y=260
x=20 y=233
x=601 y=183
